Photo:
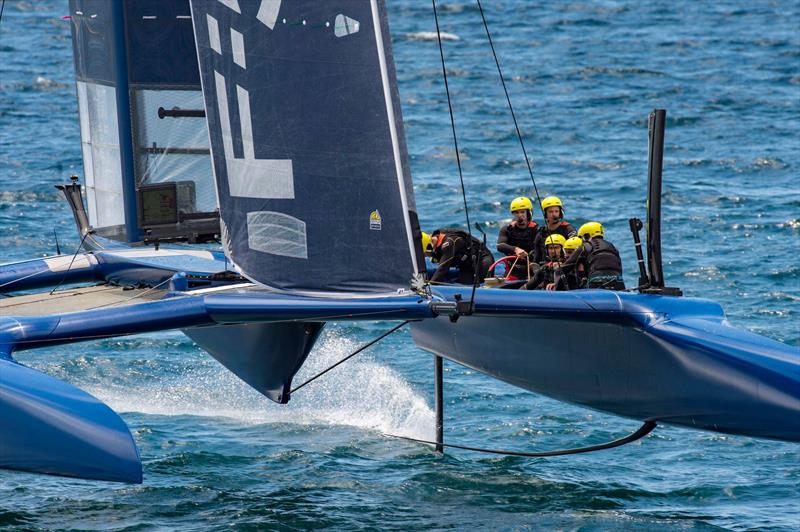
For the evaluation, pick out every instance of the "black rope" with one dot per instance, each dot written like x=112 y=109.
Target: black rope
x=513 y=114
x=351 y=355
x=473 y=253
x=646 y=428
x=80 y=246
x=2 y=8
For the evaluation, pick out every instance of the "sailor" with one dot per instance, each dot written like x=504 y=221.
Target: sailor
x=553 y=211
x=600 y=259
x=450 y=248
x=549 y=275
x=519 y=237
x=576 y=277
x=427 y=248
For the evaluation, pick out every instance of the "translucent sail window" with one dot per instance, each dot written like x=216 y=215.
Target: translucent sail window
x=174 y=148
x=101 y=156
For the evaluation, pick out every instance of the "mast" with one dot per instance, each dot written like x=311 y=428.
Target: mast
x=124 y=125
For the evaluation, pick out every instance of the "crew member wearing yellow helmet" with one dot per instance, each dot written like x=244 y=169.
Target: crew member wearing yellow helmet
x=576 y=277
x=427 y=247
x=518 y=238
x=553 y=211
x=549 y=275
x=600 y=259
x=450 y=248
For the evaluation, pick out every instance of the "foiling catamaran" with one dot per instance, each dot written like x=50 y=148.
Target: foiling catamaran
x=275 y=126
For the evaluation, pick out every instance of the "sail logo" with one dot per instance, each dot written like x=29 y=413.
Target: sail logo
x=375 y=220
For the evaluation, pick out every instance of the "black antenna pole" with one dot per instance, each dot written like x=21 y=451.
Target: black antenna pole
x=655 y=165
x=58 y=247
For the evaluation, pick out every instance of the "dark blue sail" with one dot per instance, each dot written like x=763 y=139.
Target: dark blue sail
x=307 y=142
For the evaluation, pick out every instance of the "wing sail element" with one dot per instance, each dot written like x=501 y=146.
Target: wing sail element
x=308 y=145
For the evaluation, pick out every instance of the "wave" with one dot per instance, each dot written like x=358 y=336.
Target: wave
x=12 y=196
x=792 y=272
x=431 y=36
x=362 y=393
x=589 y=72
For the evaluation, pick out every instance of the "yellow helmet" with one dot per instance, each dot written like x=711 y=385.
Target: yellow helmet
x=426 y=243
x=591 y=229
x=551 y=201
x=555 y=240
x=573 y=243
x=521 y=204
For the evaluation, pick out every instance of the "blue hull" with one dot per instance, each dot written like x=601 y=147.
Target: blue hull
x=119 y=265
x=665 y=359
x=49 y=426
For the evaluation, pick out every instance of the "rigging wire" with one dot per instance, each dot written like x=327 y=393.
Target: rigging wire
x=40 y=272
x=15 y=300
x=80 y=246
x=473 y=253
x=351 y=355
x=646 y=428
x=34 y=274
x=513 y=114
x=137 y=296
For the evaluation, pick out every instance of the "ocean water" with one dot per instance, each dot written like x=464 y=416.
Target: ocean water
x=583 y=77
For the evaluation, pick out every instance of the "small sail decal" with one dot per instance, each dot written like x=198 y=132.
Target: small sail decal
x=307 y=142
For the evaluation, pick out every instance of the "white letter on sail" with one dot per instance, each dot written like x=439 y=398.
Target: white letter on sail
x=248 y=177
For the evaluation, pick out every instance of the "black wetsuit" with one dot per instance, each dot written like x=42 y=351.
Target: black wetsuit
x=602 y=264
x=513 y=236
x=575 y=277
x=547 y=273
x=564 y=229
x=453 y=252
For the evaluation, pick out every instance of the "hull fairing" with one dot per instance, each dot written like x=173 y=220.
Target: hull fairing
x=664 y=359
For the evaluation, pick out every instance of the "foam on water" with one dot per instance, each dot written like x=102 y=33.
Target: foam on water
x=361 y=393
x=431 y=36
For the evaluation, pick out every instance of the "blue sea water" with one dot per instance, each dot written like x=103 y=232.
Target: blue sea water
x=583 y=77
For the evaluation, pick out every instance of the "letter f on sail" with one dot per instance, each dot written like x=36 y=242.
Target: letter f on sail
x=248 y=176
x=307 y=142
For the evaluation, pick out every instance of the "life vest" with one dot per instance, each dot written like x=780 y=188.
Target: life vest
x=461 y=256
x=603 y=258
x=522 y=237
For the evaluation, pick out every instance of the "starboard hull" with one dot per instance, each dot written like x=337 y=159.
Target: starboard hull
x=669 y=360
